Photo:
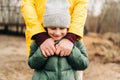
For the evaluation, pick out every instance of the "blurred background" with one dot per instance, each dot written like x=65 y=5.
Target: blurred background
x=101 y=37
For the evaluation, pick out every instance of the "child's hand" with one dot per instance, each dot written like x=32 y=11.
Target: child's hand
x=47 y=47
x=64 y=47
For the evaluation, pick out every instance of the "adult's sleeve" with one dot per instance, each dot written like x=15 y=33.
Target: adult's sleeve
x=33 y=25
x=40 y=37
x=78 y=17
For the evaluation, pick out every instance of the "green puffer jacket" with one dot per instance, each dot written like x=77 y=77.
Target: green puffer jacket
x=56 y=67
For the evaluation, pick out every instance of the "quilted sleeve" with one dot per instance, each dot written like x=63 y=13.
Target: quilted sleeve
x=78 y=58
x=36 y=60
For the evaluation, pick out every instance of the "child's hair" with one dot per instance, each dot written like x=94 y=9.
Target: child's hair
x=57 y=14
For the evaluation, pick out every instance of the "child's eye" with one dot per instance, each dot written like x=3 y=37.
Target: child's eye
x=62 y=28
x=53 y=28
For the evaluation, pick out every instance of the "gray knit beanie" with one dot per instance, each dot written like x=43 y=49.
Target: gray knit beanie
x=57 y=14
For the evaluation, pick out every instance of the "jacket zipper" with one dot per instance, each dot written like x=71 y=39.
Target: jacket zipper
x=59 y=71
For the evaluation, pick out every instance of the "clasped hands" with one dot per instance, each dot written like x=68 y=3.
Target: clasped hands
x=63 y=48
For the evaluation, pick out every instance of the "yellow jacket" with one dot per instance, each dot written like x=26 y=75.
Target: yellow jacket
x=33 y=10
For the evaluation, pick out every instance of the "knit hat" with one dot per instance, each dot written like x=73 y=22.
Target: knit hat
x=57 y=14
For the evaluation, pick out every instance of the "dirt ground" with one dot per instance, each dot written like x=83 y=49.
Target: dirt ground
x=104 y=55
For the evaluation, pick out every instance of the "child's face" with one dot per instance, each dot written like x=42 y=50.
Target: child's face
x=57 y=32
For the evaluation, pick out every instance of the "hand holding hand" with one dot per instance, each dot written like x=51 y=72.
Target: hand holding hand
x=64 y=47
x=47 y=47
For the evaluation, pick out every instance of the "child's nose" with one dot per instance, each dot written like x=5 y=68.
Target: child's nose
x=57 y=32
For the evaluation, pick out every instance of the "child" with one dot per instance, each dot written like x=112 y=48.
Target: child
x=57 y=66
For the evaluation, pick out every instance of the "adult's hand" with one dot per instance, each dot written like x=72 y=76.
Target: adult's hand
x=64 y=47
x=47 y=47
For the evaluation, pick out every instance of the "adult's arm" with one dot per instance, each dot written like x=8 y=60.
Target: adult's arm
x=78 y=17
x=33 y=25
